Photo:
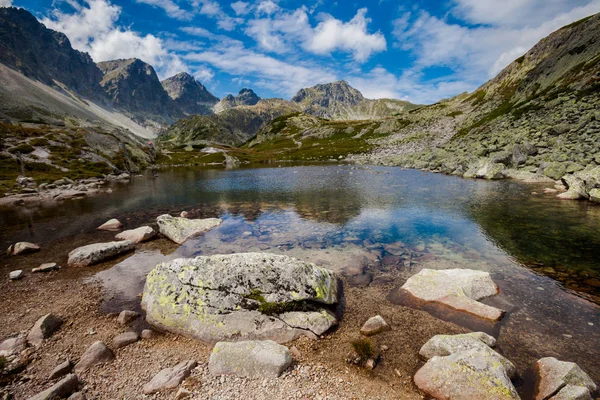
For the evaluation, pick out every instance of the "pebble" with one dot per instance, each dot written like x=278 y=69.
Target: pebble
x=16 y=275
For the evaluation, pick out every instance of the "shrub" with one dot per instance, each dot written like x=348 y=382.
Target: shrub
x=365 y=349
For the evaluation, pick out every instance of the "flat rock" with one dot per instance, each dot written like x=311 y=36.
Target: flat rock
x=557 y=376
x=180 y=229
x=98 y=252
x=126 y=316
x=457 y=288
x=466 y=375
x=256 y=359
x=444 y=345
x=137 y=235
x=61 y=370
x=375 y=325
x=228 y=297
x=16 y=275
x=59 y=390
x=25 y=247
x=111 y=225
x=170 y=378
x=43 y=329
x=46 y=267
x=97 y=353
x=125 y=339
x=12 y=346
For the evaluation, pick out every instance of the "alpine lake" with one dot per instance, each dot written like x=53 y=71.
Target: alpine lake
x=377 y=226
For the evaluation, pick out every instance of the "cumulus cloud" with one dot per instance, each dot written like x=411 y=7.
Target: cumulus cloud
x=267 y=7
x=5 y=3
x=170 y=7
x=197 y=31
x=93 y=28
x=241 y=7
x=213 y=9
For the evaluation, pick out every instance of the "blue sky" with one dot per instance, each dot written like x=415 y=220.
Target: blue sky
x=421 y=51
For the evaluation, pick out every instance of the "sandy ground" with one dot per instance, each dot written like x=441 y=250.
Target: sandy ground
x=319 y=372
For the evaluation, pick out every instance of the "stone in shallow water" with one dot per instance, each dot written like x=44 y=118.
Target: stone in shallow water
x=221 y=297
x=137 y=235
x=180 y=229
x=98 y=252
x=111 y=225
x=457 y=288
x=261 y=359
x=557 y=376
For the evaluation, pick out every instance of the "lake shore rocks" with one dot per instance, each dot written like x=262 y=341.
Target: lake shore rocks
x=170 y=378
x=464 y=367
x=137 y=235
x=562 y=380
x=457 y=288
x=98 y=252
x=254 y=359
x=181 y=229
x=242 y=296
x=111 y=225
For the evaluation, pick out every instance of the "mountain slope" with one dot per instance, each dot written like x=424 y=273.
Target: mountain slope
x=189 y=95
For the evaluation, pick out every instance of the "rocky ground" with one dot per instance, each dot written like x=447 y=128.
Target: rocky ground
x=320 y=369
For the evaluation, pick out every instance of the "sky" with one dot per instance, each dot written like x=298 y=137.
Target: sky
x=421 y=51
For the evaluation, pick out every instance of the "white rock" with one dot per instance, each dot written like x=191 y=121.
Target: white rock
x=98 y=252
x=264 y=359
x=111 y=225
x=137 y=235
x=47 y=267
x=374 y=325
x=16 y=275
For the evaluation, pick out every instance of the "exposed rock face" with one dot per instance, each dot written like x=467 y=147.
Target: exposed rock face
x=97 y=353
x=464 y=367
x=246 y=97
x=98 y=252
x=190 y=96
x=325 y=100
x=562 y=380
x=181 y=229
x=43 y=329
x=457 y=288
x=59 y=390
x=261 y=359
x=111 y=225
x=170 y=378
x=240 y=296
x=137 y=235
x=46 y=55
x=374 y=325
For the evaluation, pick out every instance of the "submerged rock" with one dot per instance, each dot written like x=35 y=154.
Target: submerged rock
x=170 y=378
x=111 y=225
x=180 y=229
x=98 y=252
x=562 y=380
x=137 y=235
x=465 y=367
x=375 y=325
x=457 y=288
x=254 y=359
x=241 y=296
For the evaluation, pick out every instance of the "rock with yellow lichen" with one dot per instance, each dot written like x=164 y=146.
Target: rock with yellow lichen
x=243 y=296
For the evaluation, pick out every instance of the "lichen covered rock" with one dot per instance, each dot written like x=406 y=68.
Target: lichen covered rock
x=562 y=380
x=98 y=252
x=241 y=296
x=181 y=229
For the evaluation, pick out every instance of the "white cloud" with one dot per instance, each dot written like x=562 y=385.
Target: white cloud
x=212 y=9
x=267 y=7
x=93 y=28
x=203 y=74
x=197 y=31
x=281 y=77
x=170 y=7
x=240 y=7
x=5 y=3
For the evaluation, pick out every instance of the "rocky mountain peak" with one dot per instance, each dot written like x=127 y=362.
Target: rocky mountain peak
x=191 y=96
x=328 y=100
x=246 y=97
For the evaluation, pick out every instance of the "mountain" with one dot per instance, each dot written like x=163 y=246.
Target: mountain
x=246 y=97
x=340 y=101
x=45 y=55
x=190 y=96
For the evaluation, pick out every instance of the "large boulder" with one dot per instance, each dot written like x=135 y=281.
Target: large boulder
x=485 y=169
x=241 y=297
x=562 y=380
x=254 y=359
x=98 y=252
x=170 y=378
x=456 y=288
x=137 y=235
x=181 y=229
x=464 y=367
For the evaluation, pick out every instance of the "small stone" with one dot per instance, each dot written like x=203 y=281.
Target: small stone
x=126 y=316
x=182 y=393
x=125 y=339
x=170 y=378
x=97 y=353
x=43 y=329
x=295 y=352
x=16 y=275
x=111 y=225
x=138 y=235
x=375 y=325
x=148 y=334
x=61 y=370
x=264 y=359
x=25 y=247
x=184 y=214
x=47 y=267
x=370 y=364
x=60 y=389
x=385 y=348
